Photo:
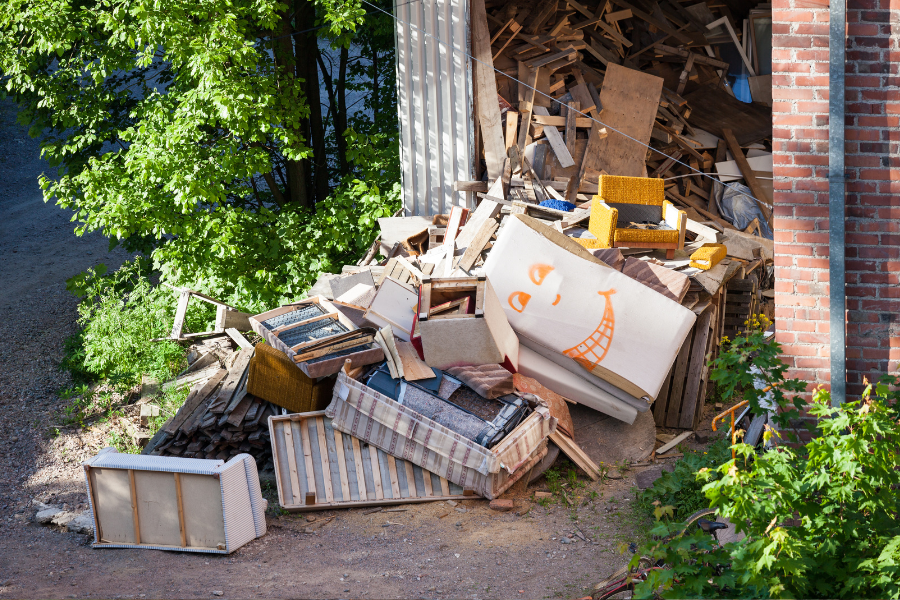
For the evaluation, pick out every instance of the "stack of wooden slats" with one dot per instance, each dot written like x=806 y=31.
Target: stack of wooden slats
x=219 y=419
x=652 y=71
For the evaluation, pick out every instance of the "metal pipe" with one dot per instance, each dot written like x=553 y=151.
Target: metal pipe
x=836 y=202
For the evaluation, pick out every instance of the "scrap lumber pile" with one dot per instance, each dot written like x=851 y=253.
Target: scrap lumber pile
x=624 y=88
x=219 y=419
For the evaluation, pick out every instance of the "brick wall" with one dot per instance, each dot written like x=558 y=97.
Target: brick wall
x=800 y=139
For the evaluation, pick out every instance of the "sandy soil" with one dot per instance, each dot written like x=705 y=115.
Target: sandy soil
x=433 y=550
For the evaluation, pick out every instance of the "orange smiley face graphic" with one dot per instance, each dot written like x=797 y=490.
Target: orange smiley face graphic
x=594 y=348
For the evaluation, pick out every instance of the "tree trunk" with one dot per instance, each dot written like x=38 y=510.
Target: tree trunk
x=340 y=117
x=297 y=190
x=317 y=124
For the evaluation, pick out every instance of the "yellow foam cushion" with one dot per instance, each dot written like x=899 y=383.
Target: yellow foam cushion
x=708 y=255
x=631 y=190
x=648 y=236
x=603 y=223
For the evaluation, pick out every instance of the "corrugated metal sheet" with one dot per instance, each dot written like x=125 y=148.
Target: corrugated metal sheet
x=434 y=98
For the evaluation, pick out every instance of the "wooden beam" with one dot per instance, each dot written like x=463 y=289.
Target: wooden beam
x=748 y=174
x=134 y=507
x=180 y=498
x=488 y=108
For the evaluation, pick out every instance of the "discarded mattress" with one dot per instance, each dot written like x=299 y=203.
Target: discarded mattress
x=554 y=291
x=167 y=503
x=362 y=412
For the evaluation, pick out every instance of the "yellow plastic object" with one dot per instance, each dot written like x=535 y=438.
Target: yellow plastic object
x=603 y=223
x=631 y=190
x=708 y=255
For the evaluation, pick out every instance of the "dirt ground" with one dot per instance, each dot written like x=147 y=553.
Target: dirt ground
x=423 y=551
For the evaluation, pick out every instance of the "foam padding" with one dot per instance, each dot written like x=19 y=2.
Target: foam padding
x=631 y=190
x=603 y=223
x=649 y=236
x=708 y=255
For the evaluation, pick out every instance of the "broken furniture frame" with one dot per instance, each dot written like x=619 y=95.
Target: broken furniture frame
x=226 y=316
x=167 y=503
x=318 y=332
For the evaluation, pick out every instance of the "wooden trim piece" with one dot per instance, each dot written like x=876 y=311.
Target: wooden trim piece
x=181 y=524
x=134 y=508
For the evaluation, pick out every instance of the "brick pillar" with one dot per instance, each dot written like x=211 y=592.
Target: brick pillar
x=800 y=140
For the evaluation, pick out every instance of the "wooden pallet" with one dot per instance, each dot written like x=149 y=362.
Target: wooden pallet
x=742 y=301
x=682 y=398
x=317 y=467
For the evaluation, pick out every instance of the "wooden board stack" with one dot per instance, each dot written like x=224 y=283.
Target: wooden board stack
x=219 y=419
x=652 y=71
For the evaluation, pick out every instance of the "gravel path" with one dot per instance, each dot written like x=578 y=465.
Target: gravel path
x=428 y=550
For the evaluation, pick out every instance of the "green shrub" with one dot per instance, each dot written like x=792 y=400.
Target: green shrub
x=680 y=489
x=119 y=314
x=820 y=519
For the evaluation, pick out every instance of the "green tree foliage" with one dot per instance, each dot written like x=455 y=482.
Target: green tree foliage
x=820 y=519
x=194 y=130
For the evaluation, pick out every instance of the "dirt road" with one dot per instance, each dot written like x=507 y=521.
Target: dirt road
x=433 y=550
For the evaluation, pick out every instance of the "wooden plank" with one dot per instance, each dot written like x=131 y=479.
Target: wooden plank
x=681 y=437
x=367 y=473
x=571 y=124
x=512 y=126
x=663 y=25
x=191 y=404
x=134 y=508
x=487 y=210
x=476 y=246
x=487 y=106
x=748 y=173
x=395 y=480
x=678 y=375
x=595 y=141
x=308 y=461
x=376 y=472
x=183 y=299
x=526 y=107
x=426 y=482
x=714 y=109
x=727 y=23
x=238 y=338
x=360 y=472
x=557 y=144
x=323 y=459
x=414 y=368
x=180 y=499
x=630 y=101
x=662 y=400
x=410 y=480
x=384 y=474
x=445 y=487
x=695 y=371
x=341 y=461
x=576 y=454
x=338 y=480
x=291 y=451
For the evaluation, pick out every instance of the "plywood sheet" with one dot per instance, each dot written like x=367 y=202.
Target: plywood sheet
x=630 y=101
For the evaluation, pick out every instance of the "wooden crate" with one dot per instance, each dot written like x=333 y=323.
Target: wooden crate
x=317 y=467
x=682 y=397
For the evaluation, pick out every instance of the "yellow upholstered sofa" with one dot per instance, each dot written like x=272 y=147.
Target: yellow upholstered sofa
x=623 y=200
